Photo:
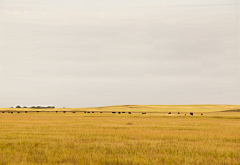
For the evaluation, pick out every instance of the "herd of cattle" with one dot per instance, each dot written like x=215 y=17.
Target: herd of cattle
x=191 y=113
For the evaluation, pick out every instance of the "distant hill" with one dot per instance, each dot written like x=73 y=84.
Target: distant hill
x=145 y=108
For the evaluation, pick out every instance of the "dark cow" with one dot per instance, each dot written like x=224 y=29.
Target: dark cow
x=129 y=113
x=169 y=113
x=144 y=113
x=119 y=112
x=191 y=113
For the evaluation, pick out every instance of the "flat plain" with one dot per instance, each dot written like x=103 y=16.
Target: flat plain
x=106 y=138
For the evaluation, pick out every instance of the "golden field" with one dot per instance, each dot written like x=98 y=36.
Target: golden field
x=106 y=138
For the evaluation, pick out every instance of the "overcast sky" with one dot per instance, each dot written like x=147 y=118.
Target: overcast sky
x=88 y=53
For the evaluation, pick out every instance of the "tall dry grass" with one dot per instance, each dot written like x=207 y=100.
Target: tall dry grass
x=50 y=138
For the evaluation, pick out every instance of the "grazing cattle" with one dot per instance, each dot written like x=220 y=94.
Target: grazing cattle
x=144 y=113
x=73 y=112
x=123 y=112
x=129 y=113
x=85 y=112
x=113 y=112
x=201 y=114
x=56 y=111
x=100 y=112
x=169 y=113
x=119 y=112
x=92 y=112
x=64 y=111
x=178 y=112
x=37 y=111
x=18 y=112
x=88 y=112
x=11 y=112
x=191 y=113
x=25 y=111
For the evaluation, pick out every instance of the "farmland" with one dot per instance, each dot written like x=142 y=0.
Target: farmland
x=105 y=138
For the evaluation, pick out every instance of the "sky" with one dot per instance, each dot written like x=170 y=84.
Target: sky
x=93 y=53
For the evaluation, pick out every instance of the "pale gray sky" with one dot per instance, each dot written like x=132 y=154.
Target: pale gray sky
x=97 y=53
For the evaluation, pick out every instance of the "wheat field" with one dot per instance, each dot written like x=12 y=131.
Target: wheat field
x=106 y=138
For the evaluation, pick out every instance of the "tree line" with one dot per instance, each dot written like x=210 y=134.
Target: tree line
x=35 y=107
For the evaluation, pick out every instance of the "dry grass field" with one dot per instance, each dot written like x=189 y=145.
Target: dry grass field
x=106 y=138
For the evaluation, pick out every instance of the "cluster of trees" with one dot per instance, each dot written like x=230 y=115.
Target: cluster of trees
x=36 y=107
